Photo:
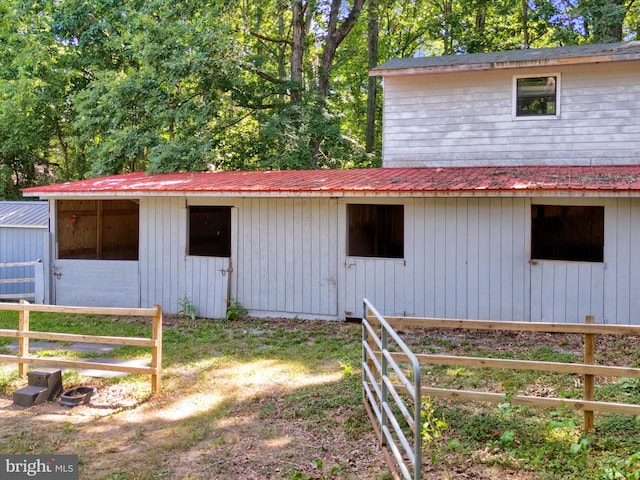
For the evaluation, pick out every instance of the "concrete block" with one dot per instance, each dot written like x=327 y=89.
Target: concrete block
x=30 y=396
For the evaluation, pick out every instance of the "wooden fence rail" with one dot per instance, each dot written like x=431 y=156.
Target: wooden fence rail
x=587 y=368
x=23 y=334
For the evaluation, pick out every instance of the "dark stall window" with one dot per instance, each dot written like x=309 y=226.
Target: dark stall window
x=573 y=233
x=376 y=231
x=210 y=231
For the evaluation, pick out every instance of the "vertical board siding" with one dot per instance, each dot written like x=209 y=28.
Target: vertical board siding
x=622 y=260
x=467 y=258
x=464 y=258
x=207 y=285
x=162 y=252
x=466 y=118
x=566 y=292
x=287 y=256
x=104 y=283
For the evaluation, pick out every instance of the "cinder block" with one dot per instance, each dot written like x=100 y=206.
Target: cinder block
x=30 y=396
x=50 y=378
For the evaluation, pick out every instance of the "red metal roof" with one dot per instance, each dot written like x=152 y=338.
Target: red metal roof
x=460 y=181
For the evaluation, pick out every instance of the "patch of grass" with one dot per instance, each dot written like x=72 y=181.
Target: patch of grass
x=244 y=383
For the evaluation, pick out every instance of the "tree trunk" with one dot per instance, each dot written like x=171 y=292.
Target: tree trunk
x=297 y=49
x=372 y=89
x=525 y=23
x=335 y=36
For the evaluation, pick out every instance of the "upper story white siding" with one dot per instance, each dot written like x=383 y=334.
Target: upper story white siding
x=466 y=117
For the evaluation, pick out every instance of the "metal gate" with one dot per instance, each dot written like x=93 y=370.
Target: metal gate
x=382 y=399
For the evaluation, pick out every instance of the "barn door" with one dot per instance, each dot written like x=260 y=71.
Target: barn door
x=381 y=280
x=96 y=283
x=209 y=267
x=567 y=266
x=566 y=292
x=207 y=285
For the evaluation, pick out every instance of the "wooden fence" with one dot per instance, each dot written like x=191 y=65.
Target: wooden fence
x=587 y=368
x=23 y=334
x=36 y=292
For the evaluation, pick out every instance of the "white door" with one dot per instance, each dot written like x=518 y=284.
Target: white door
x=207 y=285
x=97 y=283
x=566 y=292
x=381 y=280
x=208 y=279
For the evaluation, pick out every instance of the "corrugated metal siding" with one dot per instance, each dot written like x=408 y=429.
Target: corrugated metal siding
x=466 y=119
x=24 y=214
x=23 y=238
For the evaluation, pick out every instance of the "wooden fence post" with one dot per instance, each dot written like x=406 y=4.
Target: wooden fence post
x=589 y=358
x=156 y=350
x=23 y=342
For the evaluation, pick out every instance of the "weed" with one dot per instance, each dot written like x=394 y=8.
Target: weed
x=432 y=429
x=187 y=309
x=347 y=369
x=235 y=310
x=628 y=469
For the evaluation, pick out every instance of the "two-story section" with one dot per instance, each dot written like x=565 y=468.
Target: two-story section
x=577 y=105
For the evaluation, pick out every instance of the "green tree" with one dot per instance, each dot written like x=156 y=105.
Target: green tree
x=33 y=112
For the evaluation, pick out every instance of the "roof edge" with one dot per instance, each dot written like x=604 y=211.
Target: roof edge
x=609 y=53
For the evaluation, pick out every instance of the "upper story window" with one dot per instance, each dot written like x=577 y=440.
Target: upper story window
x=209 y=231
x=375 y=230
x=536 y=96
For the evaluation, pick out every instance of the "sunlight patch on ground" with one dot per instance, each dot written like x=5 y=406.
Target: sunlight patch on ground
x=274 y=373
x=190 y=405
x=278 y=442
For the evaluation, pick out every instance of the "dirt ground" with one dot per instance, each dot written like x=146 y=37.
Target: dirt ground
x=221 y=423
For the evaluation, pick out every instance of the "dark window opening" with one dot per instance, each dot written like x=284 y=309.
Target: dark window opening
x=536 y=96
x=573 y=233
x=210 y=231
x=376 y=231
x=98 y=229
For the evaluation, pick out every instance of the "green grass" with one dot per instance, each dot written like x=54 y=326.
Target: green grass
x=202 y=354
x=549 y=444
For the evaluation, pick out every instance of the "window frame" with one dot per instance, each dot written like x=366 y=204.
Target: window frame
x=541 y=116
x=200 y=250
x=91 y=229
x=588 y=251
x=386 y=247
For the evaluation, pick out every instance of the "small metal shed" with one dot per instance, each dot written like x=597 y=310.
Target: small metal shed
x=24 y=251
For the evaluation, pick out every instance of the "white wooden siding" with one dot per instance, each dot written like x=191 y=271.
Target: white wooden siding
x=566 y=292
x=163 y=224
x=467 y=258
x=466 y=119
x=464 y=258
x=104 y=283
x=287 y=256
x=207 y=285
x=622 y=261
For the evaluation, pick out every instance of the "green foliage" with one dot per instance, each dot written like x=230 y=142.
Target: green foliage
x=186 y=308
x=432 y=429
x=627 y=469
x=235 y=310
x=95 y=88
